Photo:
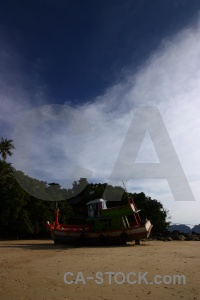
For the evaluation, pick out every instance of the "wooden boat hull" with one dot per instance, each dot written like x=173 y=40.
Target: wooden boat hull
x=73 y=234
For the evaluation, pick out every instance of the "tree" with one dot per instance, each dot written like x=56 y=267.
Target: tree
x=154 y=211
x=5 y=148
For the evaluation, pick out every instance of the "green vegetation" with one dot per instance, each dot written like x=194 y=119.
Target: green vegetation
x=23 y=215
x=5 y=148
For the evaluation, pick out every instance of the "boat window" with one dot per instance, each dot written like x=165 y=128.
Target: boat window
x=100 y=206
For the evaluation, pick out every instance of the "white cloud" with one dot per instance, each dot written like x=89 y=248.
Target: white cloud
x=90 y=136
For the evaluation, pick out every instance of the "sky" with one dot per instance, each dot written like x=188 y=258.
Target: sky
x=73 y=75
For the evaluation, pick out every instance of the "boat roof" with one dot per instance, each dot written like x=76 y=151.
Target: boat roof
x=96 y=201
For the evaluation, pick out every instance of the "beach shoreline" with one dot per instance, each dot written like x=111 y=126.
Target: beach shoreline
x=38 y=269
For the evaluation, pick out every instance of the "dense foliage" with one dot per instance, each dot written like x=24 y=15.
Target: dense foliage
x=24 y=215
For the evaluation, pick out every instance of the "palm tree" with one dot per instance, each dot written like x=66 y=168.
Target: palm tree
x=5 y=148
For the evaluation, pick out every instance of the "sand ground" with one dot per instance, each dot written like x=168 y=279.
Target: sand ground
x=35 y=270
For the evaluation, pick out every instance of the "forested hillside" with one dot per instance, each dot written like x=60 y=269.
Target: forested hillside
x=24 y=215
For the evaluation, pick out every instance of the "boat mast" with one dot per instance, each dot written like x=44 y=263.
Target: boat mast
x=56 y=215
x=131 y=201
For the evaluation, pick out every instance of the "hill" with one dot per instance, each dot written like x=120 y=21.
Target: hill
x=196 y=228
x=182 y=228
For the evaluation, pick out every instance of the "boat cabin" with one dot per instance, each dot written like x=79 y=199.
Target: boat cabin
x=95 y=206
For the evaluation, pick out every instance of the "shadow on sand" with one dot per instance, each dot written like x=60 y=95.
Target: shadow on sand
x=49 y=245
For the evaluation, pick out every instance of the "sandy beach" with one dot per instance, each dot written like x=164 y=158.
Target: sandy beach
x=37 y=269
